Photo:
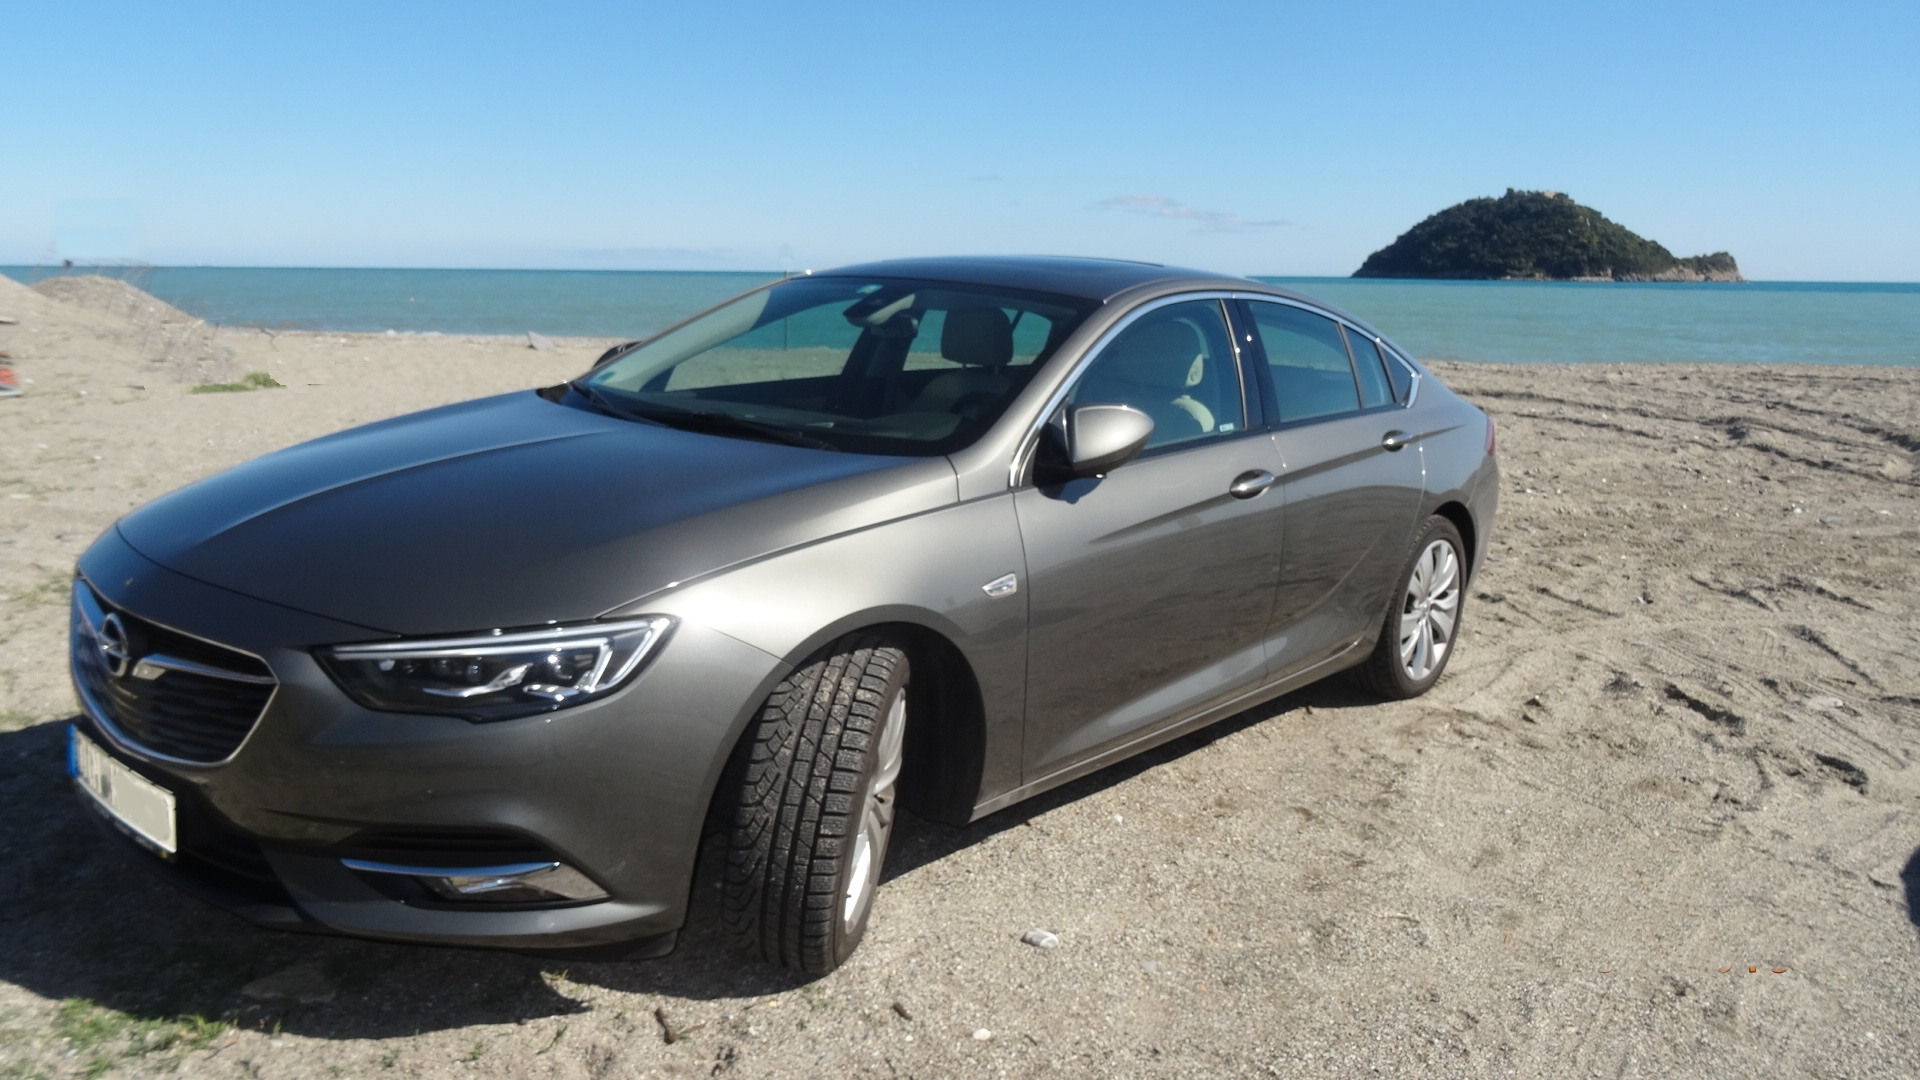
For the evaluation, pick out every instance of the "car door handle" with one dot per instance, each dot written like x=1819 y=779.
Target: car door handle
x=1395 y=439
x=1249 y=484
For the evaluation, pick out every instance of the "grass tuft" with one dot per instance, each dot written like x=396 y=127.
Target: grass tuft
x=255 y=380
x=114 y=1037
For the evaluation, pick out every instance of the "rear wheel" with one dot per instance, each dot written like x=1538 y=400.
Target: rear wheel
x=815 y=805
x=1423 y=622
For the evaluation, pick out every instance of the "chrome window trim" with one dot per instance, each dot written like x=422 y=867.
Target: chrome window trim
x=1413 y=373
x=1017 y=470
x=91 y=616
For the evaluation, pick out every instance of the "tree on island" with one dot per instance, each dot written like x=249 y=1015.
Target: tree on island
x=1538 y=236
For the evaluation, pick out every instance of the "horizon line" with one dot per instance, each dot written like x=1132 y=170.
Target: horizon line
x=57 y=268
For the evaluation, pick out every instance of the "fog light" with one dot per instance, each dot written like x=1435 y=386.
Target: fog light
x=513 y=883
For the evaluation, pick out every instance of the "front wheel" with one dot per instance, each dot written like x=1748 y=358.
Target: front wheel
x=815 y=805
x=1422 y=624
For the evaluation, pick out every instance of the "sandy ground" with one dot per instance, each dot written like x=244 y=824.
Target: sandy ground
x=1659 y=819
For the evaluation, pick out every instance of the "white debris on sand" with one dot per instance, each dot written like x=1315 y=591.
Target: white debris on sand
x=1041 y=939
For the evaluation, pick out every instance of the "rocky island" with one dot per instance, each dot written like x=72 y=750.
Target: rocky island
x=1535 y=236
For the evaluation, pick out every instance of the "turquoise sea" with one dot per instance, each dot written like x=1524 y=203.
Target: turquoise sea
x=1510 y=321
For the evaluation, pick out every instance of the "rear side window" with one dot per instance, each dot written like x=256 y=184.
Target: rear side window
x=1398 y=375
x=1374 y=390
x=1311 y=374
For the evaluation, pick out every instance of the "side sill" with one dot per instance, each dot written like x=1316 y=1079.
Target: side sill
x=1248 y=700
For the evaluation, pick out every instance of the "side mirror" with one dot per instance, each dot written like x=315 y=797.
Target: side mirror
x=1097 y=439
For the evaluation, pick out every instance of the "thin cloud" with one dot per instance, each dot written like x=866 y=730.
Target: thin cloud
x=1161 y=206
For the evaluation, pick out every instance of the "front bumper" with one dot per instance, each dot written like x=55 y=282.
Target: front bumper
x=617 y=789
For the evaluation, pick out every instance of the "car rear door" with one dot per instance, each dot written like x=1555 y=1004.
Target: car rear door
x=1149 y=589
x=1351 y=476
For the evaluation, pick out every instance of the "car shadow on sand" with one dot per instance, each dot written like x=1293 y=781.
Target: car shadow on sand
x=917 y=842
x=1910 y=879
x=82 y=920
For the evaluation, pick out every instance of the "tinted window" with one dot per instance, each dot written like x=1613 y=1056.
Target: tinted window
x=1398 y=375
x=1311 y=374
x=1373 y=376
x=874 y=366
x=1176 y=365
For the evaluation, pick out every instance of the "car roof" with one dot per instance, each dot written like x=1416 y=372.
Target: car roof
x=1088 y=279
x=1068 y=275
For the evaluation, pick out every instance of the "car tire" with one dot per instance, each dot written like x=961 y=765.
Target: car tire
x=814 y=805
x=1422 y=622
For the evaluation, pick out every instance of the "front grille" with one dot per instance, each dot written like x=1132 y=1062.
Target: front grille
x=199 y=716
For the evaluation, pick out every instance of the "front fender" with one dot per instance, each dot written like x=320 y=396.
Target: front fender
x=926 y=571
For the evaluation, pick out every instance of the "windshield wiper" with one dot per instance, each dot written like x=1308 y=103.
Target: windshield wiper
x=606 y=404
x=697 y=419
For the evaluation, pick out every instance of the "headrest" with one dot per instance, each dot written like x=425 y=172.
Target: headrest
x=977 y=337
x=1159 y=354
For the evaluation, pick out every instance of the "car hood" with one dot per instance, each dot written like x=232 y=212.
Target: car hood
x=512 y=511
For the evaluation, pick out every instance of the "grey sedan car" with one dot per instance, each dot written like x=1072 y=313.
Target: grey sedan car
x=937 y=534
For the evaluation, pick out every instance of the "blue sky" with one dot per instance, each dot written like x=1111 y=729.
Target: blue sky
x=1273 y=138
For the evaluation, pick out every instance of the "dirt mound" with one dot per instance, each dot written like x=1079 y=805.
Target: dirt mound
x=160 y=339
x=16 y=300
x=115 y=297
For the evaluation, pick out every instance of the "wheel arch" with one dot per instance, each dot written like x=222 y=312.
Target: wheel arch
x=946 y=745
x=1462 y=519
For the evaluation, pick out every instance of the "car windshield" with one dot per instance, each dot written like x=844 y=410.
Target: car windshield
x=881 y=366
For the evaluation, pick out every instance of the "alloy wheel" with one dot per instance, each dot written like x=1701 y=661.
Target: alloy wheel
x=1429 y=610
x=876 y=816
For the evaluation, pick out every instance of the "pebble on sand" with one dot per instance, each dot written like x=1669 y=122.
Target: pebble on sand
x=1041 y=939
x=982 y=1035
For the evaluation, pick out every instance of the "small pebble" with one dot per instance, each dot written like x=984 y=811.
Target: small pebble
x=1041 y=939
x=982 y=1035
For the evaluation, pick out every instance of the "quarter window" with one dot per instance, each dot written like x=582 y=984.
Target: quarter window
x=1374 y=390
x=1175 y=364
x=1398 y=375
x=1311 y=374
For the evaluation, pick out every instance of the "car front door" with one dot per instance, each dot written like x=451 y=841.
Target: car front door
x=1352 y=478
x=1149 y=588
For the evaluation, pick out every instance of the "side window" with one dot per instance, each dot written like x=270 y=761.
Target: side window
x=1374 y=390
x=1031 y=333
x=1311 y=374
x=1175 y=364
x=1398 y=375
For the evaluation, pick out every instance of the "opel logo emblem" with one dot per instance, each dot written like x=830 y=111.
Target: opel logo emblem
x=113 y=646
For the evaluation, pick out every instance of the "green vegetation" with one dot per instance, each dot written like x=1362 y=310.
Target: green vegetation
x=1535 y=235
x=110 y=1036
x=255 y=380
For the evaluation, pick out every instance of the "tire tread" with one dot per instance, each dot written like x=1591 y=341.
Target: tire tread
x=798 y=802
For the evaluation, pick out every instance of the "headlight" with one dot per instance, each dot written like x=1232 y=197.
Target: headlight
x=496 y=676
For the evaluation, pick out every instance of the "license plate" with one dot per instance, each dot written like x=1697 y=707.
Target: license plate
x=144 y=807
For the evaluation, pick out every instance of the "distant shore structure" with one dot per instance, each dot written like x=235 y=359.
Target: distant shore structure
x=1535 y=236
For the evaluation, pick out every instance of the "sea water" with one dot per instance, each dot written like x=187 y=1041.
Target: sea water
x=1507 y=321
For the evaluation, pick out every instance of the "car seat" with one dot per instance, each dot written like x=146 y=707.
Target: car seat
x=980 y=340
x=1160 y=368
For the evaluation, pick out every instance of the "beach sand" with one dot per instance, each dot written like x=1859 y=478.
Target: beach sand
x=1660 y=818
